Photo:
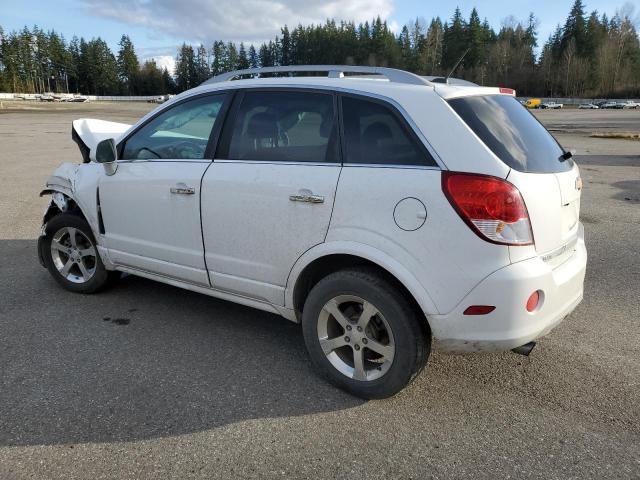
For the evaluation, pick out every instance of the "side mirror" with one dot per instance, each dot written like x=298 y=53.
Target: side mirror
x=106 y=154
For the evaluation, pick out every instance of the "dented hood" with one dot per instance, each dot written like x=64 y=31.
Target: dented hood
x=88 y=132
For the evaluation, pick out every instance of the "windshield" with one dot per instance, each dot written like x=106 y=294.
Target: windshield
x=512 y=133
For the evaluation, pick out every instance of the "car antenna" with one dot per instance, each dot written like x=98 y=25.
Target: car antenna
x=446 y=79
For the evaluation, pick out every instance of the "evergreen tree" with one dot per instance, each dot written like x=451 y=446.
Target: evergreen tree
x=454 y=41
x=243 y=60
x=217 y=53
x=168 y=83
x=475 y=40
x=575 y=27
x=406 y=49
x=286 y=58
x=128 y=65
x=201 y=71
x=253 y=57
x=185 y=68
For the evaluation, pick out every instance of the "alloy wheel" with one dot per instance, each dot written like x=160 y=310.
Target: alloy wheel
x=73 y=255
x=356 y=338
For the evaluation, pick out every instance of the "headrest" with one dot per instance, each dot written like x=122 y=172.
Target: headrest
x=262 y=125
x=375 y=132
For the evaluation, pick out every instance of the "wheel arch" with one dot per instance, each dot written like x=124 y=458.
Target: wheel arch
x=330 y=257
x=65 y=204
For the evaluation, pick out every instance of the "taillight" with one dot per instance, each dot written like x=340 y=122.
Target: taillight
x=492 y=207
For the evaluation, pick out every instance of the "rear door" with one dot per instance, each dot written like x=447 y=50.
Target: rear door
x=553 y=202
x=549 y=183
x=268 y=196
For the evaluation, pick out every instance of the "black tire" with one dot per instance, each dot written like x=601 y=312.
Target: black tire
x=410 y=332
x=100 y=278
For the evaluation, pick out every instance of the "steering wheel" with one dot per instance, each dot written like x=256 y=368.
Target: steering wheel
x=156 y=154
x=186 y=149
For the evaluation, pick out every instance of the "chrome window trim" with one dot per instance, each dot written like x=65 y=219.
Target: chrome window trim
x=404 y=167
x=275 y=162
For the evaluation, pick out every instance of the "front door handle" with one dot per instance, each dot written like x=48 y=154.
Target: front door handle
x=182 y=189
x=307 y=197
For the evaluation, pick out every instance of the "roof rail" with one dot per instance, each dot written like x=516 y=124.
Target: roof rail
x=333 y=71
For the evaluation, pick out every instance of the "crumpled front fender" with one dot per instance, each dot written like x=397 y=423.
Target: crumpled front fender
x=62 y=180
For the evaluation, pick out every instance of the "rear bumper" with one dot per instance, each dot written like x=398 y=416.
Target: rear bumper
x=510 y=324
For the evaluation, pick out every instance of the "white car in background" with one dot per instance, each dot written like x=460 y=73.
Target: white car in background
x=588 y=106
x=630 y=104
x=388 y=213
x=552 y=105
x=609 y=105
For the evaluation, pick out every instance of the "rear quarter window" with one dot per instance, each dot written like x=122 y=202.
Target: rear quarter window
x=512 y=133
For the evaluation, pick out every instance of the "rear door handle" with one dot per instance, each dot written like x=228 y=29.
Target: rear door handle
x=182 y=189
x=309 y=198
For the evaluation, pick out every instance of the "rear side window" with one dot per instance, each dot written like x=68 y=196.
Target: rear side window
x=284 y=127
x=375 y=134
x=512 y=133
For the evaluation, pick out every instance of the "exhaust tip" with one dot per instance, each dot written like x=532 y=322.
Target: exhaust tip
x=524 y=349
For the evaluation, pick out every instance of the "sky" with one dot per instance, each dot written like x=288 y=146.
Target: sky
x=158 y=27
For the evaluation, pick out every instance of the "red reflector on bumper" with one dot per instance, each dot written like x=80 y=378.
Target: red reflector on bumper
x=479 y=310
x=532 y=303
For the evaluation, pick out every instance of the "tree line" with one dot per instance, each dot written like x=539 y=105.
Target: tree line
x=35 y=61
x=589 y=55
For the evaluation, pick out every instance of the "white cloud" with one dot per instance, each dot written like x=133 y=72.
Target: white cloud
x=236 y=20
x=164 y=61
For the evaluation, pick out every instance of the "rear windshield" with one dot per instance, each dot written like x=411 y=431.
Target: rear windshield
x=512 y=133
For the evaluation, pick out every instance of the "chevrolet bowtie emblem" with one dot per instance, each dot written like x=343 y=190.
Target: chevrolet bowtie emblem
x=578 y=183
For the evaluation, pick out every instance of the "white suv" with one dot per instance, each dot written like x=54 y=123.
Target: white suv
x=386 y=212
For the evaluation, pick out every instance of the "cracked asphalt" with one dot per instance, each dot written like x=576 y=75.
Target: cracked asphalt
x=149 y=381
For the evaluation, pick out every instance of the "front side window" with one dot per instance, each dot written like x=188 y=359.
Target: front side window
x=374 y=134
x=284 y=127
x=181 y=132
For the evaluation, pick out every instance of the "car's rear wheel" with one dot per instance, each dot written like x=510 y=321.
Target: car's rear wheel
x=363 y=334
x=70 y=254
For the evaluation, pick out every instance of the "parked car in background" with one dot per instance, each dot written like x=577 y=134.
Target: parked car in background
x=588 y=106
x=552 y=105
x=77 y=99
x=533 y=103
x=386 y=215
x=609 y=105
x=162 y=99
x=630 y=104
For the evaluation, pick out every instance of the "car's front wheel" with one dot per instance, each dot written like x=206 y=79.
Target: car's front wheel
x=363 y=334
x=70 y=254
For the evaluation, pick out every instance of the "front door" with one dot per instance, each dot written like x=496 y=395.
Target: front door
x=268 y=196
x=151 y=206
